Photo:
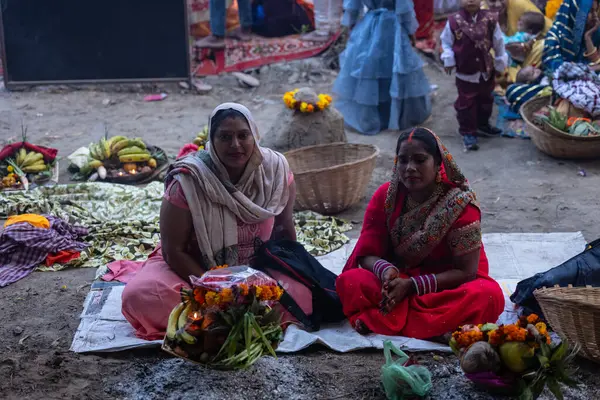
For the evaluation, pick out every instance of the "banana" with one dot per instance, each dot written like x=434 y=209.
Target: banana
x=199 y=142
x=115 y=147
x=105 y=146
x=183 y=317
x=189 y=339
x=181 y=322
x=96 y=152
x=21 y=156
x=131 y=150
x=31 y=158
x=173 y=318
x=115 y=139
x=31 y=169
x=95 y=164
x=152 y=163
x=138 y=142
x=35 y=159
x=141 y=157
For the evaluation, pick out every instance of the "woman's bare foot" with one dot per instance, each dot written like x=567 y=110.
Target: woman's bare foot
x=243 y=35
x=314 y=37
x=211 y=42
x=361 y=328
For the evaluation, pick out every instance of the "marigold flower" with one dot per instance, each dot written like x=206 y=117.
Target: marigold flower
x=542 y=328
x=258 y=291
x=303 y=106
x=226 y=295
x=10 y=168
x=199 y=295
x=310 y=108
x=244 y=289
x=496 y=337
x=211 y=298
x=533 y=319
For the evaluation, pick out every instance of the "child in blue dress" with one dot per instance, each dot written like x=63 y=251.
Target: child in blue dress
x=381 y=84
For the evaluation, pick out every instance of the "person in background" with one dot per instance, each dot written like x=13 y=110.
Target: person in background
x=218 y=9
x=467 y=41
x=419 y=268
x=531 y=24
x=381 y=84
x=424 y=34
x=328 y=19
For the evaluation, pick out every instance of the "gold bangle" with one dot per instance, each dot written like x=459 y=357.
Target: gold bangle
x=591 y=52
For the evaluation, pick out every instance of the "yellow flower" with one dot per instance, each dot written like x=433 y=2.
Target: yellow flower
x=303 y=106
x=211 y=298
x=542 y=328
x=226 y=295
x=320 y=105
x=258 y=291
x=10 y=168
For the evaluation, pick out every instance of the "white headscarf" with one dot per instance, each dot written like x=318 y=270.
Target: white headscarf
x=217 y=204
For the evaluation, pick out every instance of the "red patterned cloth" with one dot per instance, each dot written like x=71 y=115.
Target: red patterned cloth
x=10 y=149
x=422 y=241
x=424 y=13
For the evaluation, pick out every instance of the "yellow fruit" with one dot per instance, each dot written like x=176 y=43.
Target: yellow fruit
x=199 y=142
x=116 y=139
x=105 y=147
x=32 y=169
x=115 y=147
x=173 y=318
x=130 y=167
x=129 y=158
x=95 y=164
x=516 y=356
x=32 y=158
x=96 y=151
x=137 y=142
x=21 y=156
x=152 y=163
x=131 y=150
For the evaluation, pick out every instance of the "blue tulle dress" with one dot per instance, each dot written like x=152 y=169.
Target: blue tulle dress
x=381 y=84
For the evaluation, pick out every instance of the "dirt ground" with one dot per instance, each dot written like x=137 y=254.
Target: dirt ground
x=520 y=190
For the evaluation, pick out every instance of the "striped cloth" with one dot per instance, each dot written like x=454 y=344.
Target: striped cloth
x=518 y=93
x=564 y=41
x=23 y=247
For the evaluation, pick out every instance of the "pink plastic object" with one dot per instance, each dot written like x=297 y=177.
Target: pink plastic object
x=155 y=97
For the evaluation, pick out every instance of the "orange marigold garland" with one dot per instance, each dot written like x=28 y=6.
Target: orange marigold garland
x=289 y=98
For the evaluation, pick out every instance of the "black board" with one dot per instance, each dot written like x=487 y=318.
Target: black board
x=58 y=41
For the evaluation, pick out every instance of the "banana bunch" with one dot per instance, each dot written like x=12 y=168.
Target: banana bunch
x=30 y=162
x=177 y=323
x=125 y=149
x=202 y=137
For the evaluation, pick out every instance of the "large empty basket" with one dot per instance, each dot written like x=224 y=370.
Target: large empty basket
x=331 y=177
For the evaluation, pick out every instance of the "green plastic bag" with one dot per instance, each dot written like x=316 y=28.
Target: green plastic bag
x=401 y=381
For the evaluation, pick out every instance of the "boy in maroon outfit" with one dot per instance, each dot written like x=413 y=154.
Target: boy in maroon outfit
x=467 y=41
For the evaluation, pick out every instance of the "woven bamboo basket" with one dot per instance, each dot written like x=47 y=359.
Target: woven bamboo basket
x=331 y=177
x=554 y=142
x=575 y=313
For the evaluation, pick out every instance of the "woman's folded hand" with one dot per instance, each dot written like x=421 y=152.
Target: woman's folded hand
x=396 y=291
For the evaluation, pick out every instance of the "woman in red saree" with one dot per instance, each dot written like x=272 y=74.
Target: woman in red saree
x=425 y=18
x=419 y=268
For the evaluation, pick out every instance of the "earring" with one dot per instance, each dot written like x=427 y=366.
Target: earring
x=438 y=177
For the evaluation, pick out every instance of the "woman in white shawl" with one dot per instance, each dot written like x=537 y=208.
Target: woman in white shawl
x=218 y=205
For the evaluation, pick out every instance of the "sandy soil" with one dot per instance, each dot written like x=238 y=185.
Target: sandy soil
x=520 y=190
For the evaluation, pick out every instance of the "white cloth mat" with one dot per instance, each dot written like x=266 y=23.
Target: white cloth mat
x=512 y=257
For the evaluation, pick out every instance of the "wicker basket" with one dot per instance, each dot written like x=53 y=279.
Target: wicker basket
x=331 y=177
x=554 y=142
x=575 y=313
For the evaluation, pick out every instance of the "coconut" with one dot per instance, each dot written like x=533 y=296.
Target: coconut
x=480 y=357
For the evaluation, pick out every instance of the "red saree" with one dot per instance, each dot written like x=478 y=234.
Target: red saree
x=424 y=241
x=424 y=14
